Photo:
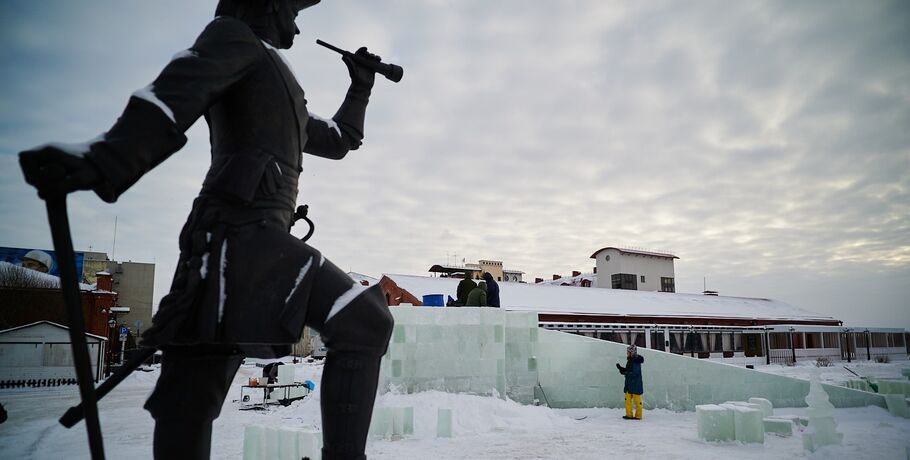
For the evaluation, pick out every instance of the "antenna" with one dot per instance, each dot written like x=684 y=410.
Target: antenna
x=114 y=246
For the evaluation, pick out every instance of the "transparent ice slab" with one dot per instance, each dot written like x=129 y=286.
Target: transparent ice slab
x=715 y=423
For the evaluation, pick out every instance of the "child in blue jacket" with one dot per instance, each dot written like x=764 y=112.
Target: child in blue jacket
x=633 y=387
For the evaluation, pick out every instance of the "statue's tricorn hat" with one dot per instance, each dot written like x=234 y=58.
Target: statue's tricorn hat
x=303 y=4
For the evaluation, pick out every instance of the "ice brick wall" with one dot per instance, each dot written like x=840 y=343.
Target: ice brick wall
x=488 y=351
x=577 y=371
x=481 y=351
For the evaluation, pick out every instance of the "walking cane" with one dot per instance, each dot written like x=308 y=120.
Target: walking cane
x=66 y=261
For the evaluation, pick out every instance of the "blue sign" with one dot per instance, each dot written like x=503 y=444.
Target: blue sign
x=124 y=331
x=41 y=260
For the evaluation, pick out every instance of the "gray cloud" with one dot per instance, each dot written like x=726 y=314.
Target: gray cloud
x=764 y=143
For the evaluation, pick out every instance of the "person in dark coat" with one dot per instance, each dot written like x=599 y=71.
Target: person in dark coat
x=478 y=296
x=633 y=387
x=492 y=290
x=243 y=286
x=465 y=287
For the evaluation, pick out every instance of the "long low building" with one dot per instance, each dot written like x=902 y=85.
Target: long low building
x=41 y=353
x=734 y=329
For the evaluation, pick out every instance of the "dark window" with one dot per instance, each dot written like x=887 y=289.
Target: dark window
x=642 y=278
x=798 y=340
x=859 y=339
x=779 y=340
x=624 y=281
x=657 y=341
x=898 y=339
x=667 y=285
x=753 y=345
x=814 y=340
x=879 y=340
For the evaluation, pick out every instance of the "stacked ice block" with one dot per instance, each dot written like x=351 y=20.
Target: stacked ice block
x=857 y=384
x=462 y=350
x=715 y=423
x=742 y=421
x=392 y=422
x=893 y=387
x=274 y=443
x=897 y=405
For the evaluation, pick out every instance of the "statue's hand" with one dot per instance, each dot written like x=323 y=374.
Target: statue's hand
x=360 y=75
x=58 y=168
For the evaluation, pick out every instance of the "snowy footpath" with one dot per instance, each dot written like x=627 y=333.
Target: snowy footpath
x=483 y=427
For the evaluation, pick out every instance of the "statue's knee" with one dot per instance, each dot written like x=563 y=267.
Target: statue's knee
x=365 y=324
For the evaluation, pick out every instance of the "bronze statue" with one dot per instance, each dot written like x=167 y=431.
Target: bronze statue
x=243 y=286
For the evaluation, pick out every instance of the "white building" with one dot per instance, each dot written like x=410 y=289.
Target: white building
x=619 y=268
x=43 y=351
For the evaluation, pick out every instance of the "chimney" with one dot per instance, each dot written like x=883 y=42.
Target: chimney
x=556 y=277
x=576 y=273
x=104 y=281
x=538 y=280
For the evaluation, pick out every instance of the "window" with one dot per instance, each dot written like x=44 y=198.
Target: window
x=753 y=345
x=657 y=341
x=898 y=339
x=624 y=281
x=859 y=339
x=642 y=278
x=831 y=340
x=879 y=340
x=667 y=285
x=814 y=340
x=798 y=341
x=607 y=258
x=779 y=340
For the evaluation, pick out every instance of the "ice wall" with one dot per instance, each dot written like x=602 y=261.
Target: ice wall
x=577 y=371
x=482 y=351
x=488 y=351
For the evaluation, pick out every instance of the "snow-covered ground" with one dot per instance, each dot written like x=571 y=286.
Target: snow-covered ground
x=483 y=427
x=838 y=372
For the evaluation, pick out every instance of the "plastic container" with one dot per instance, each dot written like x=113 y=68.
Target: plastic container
x=434 y=300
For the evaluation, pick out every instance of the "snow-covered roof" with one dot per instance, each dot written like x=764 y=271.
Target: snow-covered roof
x=358 y=277
x=617 y=302
x=44 y=321
x=636 y=251
x=572 y=280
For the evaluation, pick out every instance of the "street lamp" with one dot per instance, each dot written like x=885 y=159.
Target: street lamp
x=792 y=346
x=868 y=346
x=847 y=333
x=111 y=324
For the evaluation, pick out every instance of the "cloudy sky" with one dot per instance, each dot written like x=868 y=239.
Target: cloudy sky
x=764 y=143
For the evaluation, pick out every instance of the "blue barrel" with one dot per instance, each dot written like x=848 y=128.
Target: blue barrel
x=434 y=300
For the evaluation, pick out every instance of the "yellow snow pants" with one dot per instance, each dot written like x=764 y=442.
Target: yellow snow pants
x=630 y=398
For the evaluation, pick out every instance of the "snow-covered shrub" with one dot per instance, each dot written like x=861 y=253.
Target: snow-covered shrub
x=822 y=361
x=883 y=359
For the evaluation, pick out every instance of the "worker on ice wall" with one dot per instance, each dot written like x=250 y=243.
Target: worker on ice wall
x=633 y=387
x=244 y=286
